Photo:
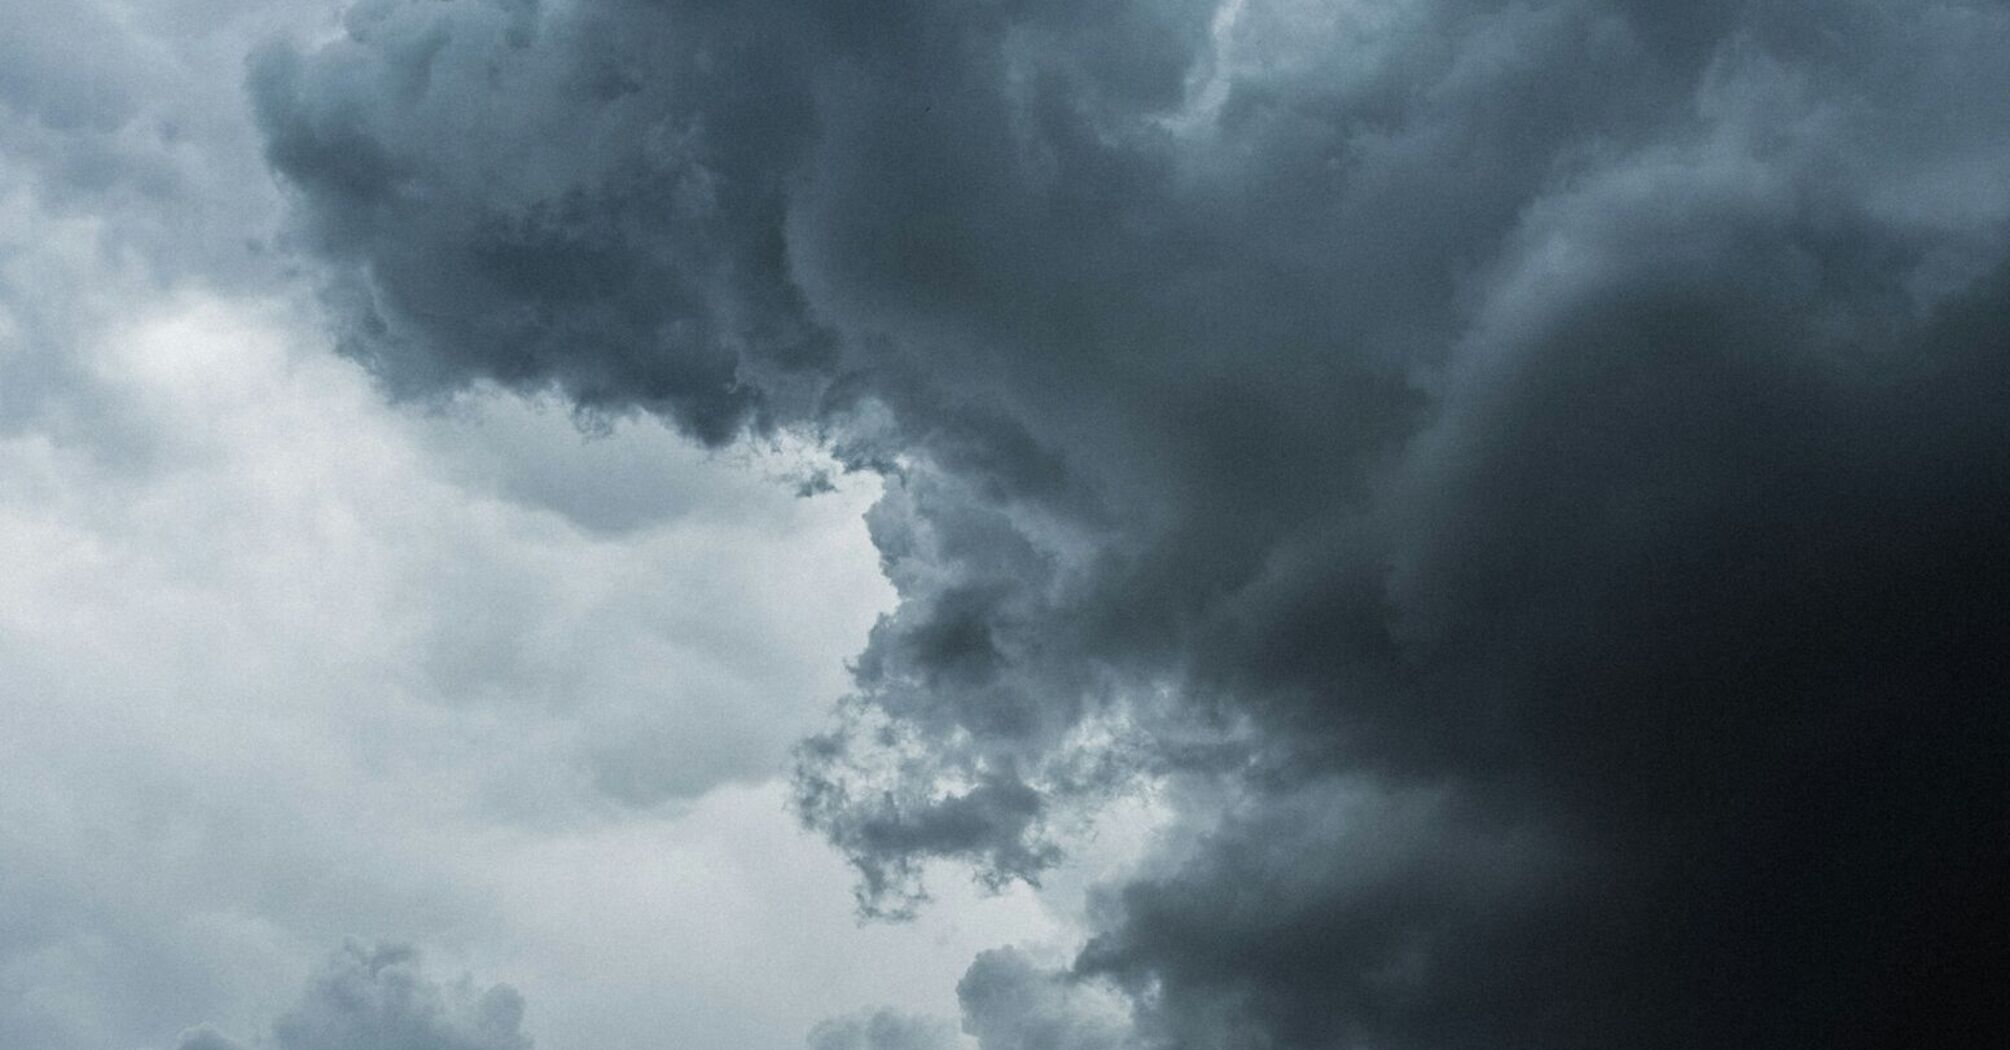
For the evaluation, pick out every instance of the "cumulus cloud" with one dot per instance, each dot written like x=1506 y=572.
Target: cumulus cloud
x=1573 y=427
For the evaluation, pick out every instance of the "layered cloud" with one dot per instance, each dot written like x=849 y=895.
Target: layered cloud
x=1520 y=482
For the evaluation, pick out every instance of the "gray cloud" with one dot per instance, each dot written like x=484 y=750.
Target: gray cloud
x=1011 y=1003
x=130 y=167
x=883 y=1030
x=380 y=997
x=1582 y=416
x=592 y=203
x=203 y=1037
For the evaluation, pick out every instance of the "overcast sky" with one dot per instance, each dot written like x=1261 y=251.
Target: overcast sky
x=928 y=524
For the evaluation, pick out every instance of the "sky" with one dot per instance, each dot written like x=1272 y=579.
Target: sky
x=1003 y=524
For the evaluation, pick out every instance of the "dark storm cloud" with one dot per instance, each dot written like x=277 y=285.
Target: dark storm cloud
x=378 y=997
x=608 y=216
x=1532 y=474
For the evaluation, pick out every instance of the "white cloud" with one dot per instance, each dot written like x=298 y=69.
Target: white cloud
x=288 y=666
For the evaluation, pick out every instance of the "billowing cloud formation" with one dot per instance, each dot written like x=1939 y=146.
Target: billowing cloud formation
x=379 y=997
x=1527 y=476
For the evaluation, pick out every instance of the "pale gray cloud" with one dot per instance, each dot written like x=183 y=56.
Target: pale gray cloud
x=381 y=997
x=319 y=669
x=883 y=1030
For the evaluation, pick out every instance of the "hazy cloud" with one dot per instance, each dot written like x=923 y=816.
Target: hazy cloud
x=380 y=997
x=883 y=1030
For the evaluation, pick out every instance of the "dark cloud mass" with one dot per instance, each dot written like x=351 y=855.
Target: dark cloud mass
x=1529 y=478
